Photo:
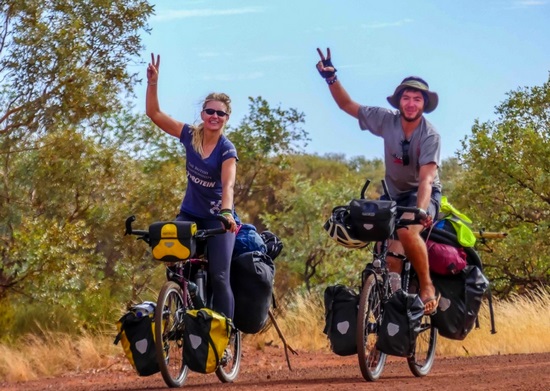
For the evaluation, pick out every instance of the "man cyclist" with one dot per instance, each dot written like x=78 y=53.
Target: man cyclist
x=412 y=157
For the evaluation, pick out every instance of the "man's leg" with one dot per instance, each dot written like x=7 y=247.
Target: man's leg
x=416 y=252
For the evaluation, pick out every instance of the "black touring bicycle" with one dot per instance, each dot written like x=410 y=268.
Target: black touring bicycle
x=391 y=319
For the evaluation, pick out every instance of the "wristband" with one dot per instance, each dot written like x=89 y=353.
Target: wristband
x=332 y=81
x=226 y=212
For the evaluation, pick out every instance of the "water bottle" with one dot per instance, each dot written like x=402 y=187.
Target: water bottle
x=144 y=309
x=195 y=297
x=395 y=281
x=200 y=280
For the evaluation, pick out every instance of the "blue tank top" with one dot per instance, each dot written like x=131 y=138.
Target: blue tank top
x=203 y=197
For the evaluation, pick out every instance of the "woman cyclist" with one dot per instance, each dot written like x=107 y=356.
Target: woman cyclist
x=211 y=166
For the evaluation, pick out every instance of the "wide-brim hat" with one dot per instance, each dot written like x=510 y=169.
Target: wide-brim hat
x=418 y=84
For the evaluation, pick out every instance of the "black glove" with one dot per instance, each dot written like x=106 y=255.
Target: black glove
x=327 y=74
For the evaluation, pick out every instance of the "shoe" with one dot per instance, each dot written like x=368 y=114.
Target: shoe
x=435 y=298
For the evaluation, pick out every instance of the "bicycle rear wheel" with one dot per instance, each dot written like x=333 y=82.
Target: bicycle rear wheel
x=421 y=362
x=228 y=370
x=369 y=318
x=169 y=334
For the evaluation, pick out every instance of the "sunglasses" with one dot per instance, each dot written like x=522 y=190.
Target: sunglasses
x=405 y=144
x=212 y=111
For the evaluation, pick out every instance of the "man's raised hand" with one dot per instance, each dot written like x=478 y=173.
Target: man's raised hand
x=324 y=66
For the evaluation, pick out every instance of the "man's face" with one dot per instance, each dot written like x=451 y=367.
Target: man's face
x=411 y=105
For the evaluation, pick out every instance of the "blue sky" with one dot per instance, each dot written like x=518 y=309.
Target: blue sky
x=471 y=52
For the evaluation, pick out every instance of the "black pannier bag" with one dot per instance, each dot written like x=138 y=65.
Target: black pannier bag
x=172 y=241
x=460 y=302
x=461 y=294
x=135 y=332
x=401 y=320
x=252 y=277
x=372 y=220
x=341 y=305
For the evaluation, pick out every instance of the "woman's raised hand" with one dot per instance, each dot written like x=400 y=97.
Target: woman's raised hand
x=153 y=70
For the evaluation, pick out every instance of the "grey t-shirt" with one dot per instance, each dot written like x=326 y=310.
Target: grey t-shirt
x=424 y=148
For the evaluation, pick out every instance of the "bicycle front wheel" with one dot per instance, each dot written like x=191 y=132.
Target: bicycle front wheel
x=169 y=334
x=228 y=370
x=422 y=360
x=369 y=318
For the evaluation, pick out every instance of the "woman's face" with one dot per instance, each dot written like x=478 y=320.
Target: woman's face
x=214 y=115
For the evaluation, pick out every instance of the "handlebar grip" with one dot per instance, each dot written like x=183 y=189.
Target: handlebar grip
x=419 y=214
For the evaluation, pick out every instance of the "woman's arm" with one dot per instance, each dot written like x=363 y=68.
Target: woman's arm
x=229 y=173
x=152 y=107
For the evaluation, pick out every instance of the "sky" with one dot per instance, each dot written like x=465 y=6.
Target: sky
x=471 y=52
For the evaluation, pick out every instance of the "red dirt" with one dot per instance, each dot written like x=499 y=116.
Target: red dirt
x=263 y=370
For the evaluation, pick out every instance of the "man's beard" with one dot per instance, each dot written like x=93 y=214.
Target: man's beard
x=410 y=119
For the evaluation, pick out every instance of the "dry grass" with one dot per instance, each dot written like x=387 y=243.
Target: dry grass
x=53 y=354
x=522 y=324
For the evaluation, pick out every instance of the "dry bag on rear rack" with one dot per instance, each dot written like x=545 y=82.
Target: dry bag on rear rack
x=135 y=332
x=372 y=220
x=341 y=319
x=172 y=241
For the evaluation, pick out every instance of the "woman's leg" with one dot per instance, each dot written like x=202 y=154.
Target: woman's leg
x=220 y=250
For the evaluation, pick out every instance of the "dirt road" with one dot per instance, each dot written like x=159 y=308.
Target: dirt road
x=267 y=370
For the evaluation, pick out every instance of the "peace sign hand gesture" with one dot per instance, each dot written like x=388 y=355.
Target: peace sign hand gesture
x=325 y=67
x=153 y=70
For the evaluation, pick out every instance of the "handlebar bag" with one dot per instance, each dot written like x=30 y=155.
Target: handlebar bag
x=372 y=220
x=172 y=241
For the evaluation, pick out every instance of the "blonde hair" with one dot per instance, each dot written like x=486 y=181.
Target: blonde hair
x=198 y=130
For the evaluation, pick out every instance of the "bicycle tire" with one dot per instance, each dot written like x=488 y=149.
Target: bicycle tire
x=228 y=370
x=369 y=318
x=422 y=359
x=169 y=334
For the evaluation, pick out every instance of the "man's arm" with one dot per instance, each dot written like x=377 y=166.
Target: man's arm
x=343 y=100
x=339 y=94
x=426 y=175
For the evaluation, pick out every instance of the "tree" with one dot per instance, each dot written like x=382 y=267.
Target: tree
x=506 y=186
x=64 y=66
x=265 y=139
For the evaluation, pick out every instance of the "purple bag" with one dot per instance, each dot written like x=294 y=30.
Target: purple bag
x=445 y=259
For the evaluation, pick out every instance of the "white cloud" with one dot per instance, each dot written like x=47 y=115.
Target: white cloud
x=169 y=15
x=387 y=24
x=227 y=77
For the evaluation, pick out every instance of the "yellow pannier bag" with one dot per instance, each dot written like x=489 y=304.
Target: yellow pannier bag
x=172 y=241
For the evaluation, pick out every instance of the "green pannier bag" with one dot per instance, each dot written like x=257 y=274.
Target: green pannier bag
x=205 y=337
x=459 y=221
x=136 y=334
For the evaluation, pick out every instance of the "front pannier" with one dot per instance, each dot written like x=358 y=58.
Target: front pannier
x=372 y=220
x=172 y=241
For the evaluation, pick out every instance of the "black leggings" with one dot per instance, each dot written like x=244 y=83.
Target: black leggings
x=219 y=250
